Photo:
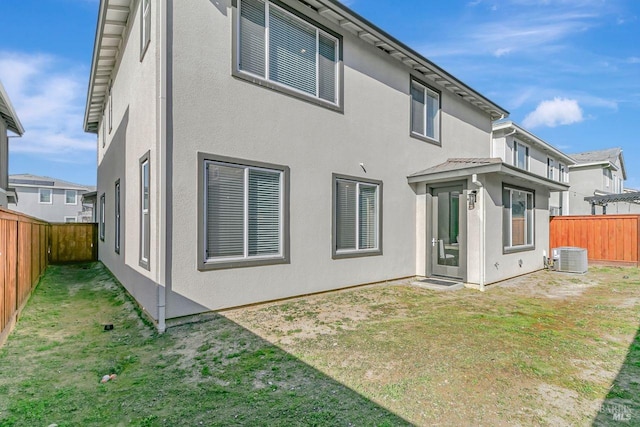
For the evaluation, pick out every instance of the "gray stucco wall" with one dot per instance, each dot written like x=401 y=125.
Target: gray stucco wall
x=218 y=114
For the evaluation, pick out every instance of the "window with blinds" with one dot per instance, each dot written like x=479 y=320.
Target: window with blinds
x=425 y=111
x=357 y=223
x=243 y=212
x=275 y=45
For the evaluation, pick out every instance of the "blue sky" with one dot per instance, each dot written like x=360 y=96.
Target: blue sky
x=567 y=70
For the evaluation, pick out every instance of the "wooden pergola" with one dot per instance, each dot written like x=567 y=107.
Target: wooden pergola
x=611 y=198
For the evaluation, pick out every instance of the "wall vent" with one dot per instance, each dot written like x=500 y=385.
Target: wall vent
x=570 y=260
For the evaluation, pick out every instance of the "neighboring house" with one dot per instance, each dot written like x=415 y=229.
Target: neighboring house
x=8 y=122
x=50 y=199
x=519 y=147
x=598 y=173
x=251 y=151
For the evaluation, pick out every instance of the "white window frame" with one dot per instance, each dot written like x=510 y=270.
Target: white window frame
x=427 y=91
x=358 y=252
x=41 y=191
x=527 y=154
x=70 y=219
x=281 y=86
x=510 y=247
x=213 y=263
x=75 y=197
x=117 y=223
x=608 y=176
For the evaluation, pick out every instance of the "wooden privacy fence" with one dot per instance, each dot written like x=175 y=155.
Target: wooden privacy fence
x=609 y=239
x=23 y=259
x=73 y=242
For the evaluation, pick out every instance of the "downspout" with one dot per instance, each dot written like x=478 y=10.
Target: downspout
x=163 y=270
x=482 y=252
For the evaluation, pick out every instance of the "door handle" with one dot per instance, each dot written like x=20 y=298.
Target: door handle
x=434 y=241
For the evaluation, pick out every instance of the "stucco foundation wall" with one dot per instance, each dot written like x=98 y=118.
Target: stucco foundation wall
x=218 y=114
x=132 y=135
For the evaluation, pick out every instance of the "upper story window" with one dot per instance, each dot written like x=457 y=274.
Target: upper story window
x=607 y=177
x=70 y=197
x=278 y=47
x=425 y=112
x=551 y=173
x=45 y=196
x=563 y=172
x=520 y=155
x=145 y=26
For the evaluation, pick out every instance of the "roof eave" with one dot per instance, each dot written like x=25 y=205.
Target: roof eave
x=16 y=126
x=535 y=139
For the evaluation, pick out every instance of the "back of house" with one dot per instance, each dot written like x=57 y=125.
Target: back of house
x=254 y=150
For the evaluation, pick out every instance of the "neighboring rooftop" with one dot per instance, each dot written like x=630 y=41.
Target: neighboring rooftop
x=609 y=155
x=8 y=114
x=29 y=180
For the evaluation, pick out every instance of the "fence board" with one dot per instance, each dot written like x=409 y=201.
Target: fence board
x=611 y=239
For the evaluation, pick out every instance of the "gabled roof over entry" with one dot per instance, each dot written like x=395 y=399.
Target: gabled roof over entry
x=465 y=167
x=8 y=114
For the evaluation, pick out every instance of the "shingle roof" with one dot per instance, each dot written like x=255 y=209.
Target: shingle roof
x=30 y=180
x=608 y=155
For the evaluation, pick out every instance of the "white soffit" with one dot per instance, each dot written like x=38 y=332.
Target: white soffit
x=112 y=23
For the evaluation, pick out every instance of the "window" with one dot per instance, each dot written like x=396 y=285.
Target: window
x=117 y=217
x=550 y=168
x=145 y=225
x=518 y=220
x=563 y=172
x=607 y=177
x=520 y=155
x=102 y=213
x=145 y=26
x=45 y=196
x=110 y=110
x=356 y=217
x=277 y=46
x=425 y=112
x=70 y=197
x=70 y=219
x=245 y=213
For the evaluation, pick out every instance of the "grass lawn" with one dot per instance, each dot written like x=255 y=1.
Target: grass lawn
x=544 y=349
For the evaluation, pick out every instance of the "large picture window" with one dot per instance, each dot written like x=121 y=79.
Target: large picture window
x=279 y=47
x=245 y=213
x=356 y=215
x=518 y=230
x=425 y=112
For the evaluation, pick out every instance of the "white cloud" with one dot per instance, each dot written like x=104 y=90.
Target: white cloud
x=502 y=51
x=559 y=111
x=48 y=96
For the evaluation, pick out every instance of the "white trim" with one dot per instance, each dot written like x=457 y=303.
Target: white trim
x=70 y=217
x=75 y=197
x=40 y=191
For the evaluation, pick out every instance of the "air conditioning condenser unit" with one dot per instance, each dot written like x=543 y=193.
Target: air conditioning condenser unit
x=570 y=260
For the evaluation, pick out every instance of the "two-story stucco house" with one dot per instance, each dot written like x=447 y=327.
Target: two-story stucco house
x=254 y=150
x=8 y=122
x=50 y=199
x=598 y=173
x=521 y=148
